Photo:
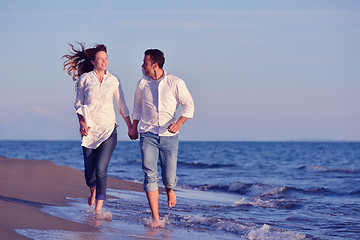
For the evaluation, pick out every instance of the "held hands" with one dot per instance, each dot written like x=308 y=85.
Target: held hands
x=133 y=133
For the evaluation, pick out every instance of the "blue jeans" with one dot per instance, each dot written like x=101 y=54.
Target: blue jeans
x=96 y=163
x=152 y=147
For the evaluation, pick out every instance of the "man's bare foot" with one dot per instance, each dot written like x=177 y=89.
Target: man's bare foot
x=171 y=198
x=155 y=223
x=91 y=198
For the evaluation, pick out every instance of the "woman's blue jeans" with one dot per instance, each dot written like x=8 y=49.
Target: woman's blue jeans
x=96 y=163
x=152 y=147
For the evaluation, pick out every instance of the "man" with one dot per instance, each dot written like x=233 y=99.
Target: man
x=157 y=97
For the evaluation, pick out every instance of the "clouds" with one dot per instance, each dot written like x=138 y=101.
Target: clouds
x=38 y=110
x=94 y=16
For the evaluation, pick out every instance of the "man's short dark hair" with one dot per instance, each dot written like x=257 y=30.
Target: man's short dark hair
x=156 y=56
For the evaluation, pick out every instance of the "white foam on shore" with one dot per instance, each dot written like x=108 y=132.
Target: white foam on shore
x=247 y=231
x=267 y=233
x=195 y=217
x=99 y=215
x=38 y=234
x=257 y=201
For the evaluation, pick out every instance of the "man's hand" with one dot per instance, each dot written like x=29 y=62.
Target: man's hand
x=174 y=128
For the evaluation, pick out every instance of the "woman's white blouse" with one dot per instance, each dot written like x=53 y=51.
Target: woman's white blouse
x=94 y=101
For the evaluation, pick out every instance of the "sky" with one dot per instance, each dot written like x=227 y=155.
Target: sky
x=266 y=70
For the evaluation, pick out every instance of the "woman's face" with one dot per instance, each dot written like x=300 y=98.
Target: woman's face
x=101 y=61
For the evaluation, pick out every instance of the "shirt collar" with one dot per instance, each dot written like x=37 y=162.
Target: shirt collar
x=150 y=79
x=105 y=75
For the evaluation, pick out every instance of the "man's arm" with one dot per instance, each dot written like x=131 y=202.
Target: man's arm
x=133 y=132
x=127 y=121
x=175 y=127
x=186 y=101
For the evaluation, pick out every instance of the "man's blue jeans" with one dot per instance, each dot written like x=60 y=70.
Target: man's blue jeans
x=152 y=147
x=96 y=163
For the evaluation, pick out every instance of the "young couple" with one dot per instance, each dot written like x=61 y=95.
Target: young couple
x=157 y=96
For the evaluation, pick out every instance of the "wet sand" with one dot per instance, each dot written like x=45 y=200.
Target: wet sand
x=28 y=185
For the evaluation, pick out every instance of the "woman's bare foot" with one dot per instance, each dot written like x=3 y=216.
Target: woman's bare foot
x=100 y=215
x=171 y=198
x=91 y=198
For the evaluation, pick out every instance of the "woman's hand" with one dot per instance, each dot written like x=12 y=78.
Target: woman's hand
x=133 y=133
x=84 y=129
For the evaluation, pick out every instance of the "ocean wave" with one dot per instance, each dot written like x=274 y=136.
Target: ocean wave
x=266 y=195
x=281 y=203
x=264 y=190
x=245 y=230
x=314 y=190
x=324 y=169
x=200 y=165
x=357 y=192
x=256 y=194
x=268 y=233
x=258 y=189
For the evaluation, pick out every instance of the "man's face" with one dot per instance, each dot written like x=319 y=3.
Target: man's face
x=148 y=66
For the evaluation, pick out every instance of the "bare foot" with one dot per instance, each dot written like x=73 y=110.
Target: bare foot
x=91 y=198
x=171 y=198
x=155 y=223
x=100 y=215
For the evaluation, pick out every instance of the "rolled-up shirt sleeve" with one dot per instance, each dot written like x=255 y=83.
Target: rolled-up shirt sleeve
x=80 y=106
x=80 y=97
x=120 y=100
x=137 y=104
x=185 y=99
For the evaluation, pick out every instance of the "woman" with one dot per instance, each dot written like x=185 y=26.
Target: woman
x=96 y=88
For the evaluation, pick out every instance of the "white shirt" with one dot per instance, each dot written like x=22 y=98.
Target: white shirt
x=94 y=101
x=156 y=102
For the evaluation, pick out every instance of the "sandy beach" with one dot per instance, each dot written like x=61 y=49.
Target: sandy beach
x=29 y=185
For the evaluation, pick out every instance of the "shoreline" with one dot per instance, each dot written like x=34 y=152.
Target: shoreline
x=29 y=185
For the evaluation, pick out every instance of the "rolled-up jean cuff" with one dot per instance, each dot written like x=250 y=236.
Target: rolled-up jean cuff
x=92 y=186
x=173 y=184
x=100 y=197
x=151 y=187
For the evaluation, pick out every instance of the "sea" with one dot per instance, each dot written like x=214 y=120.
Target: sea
x=226 y=190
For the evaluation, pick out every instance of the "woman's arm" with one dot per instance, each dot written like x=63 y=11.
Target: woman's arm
x=84 y=129
x=133 y=133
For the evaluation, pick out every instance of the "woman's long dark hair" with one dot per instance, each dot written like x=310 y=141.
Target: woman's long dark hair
x=79 y=61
